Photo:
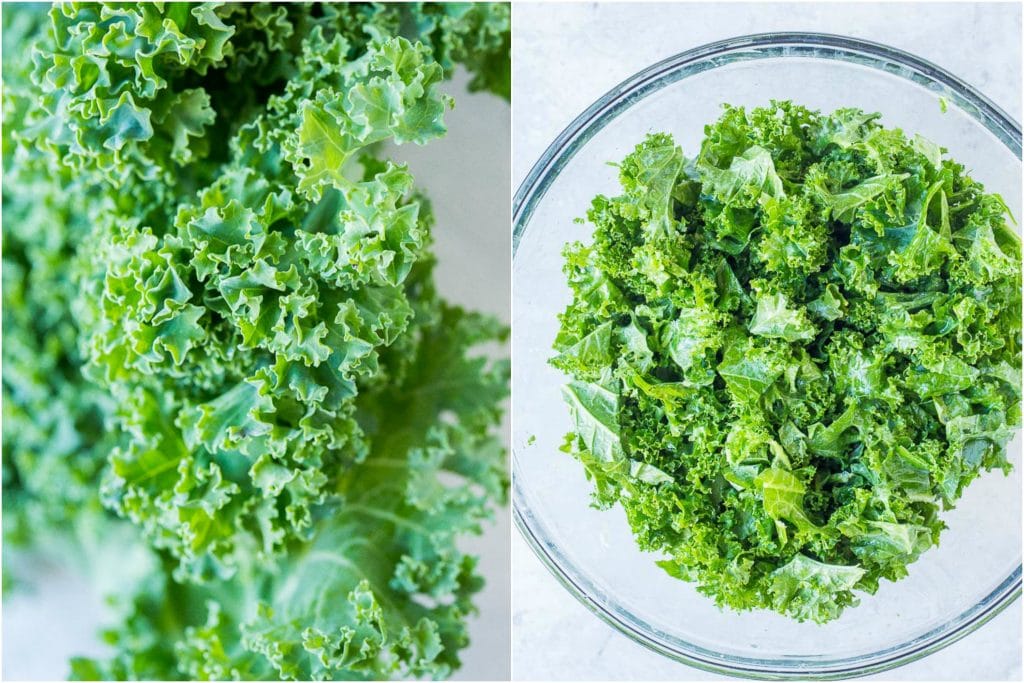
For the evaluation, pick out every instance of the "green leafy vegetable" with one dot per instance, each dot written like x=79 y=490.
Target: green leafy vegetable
x=789 y=354
x=222 y=335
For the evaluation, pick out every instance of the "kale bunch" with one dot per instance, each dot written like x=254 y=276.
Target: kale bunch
x=224 y=353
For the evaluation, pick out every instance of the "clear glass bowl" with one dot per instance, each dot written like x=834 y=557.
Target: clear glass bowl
x=951 y=590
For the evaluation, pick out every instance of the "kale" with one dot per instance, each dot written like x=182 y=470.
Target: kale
x=225 y=360
x=791 y=353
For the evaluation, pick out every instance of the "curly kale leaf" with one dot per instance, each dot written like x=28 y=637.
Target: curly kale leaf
x=222 y=340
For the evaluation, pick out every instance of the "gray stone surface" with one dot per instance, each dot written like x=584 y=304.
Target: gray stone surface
x=565 y=56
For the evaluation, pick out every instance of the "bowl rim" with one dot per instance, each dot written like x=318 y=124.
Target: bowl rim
x=563 y=148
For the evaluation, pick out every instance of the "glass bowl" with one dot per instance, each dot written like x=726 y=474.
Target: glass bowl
x=953 y=589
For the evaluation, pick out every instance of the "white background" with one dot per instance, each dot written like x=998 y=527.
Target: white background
x=466 y=176
x=565 y=56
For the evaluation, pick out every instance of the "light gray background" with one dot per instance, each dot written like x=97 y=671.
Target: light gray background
x=466 y=175
x=565 y=56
